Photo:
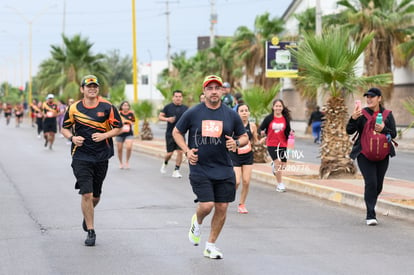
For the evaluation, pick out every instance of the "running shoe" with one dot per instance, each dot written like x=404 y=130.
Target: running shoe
x=372 y=222
x=163 y=169
x=242 y=209
x=90 y=238
x=213 y=253
x=281 y=187
x=194 y=233
x=176 y=174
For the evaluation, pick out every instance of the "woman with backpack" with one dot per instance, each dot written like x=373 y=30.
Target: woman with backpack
x=376 y=128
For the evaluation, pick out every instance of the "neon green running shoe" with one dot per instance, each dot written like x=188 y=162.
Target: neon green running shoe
x=194 y=233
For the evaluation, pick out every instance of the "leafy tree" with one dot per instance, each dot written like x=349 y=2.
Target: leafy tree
x=119 y=69
x=250 y=46
x=330 y=61
x=75 y=60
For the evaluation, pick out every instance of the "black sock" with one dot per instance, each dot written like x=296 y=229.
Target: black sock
x=177 y=167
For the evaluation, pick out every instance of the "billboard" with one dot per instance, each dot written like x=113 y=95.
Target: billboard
x=279 y=60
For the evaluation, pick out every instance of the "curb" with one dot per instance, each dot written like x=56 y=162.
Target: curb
x=383 y=207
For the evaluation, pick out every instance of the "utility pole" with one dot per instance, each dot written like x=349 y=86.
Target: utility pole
x=167 y=14
x=213 y=21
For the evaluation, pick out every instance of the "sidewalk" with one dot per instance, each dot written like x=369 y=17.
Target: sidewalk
x=396 y=199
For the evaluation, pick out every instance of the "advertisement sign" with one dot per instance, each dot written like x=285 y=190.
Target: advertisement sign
x=279 y=60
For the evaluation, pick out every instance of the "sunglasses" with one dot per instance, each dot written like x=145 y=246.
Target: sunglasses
x=90 y=81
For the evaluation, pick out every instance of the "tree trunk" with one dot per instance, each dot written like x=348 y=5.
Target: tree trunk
x=336 y=144
x=260 y=153
x=146 y=132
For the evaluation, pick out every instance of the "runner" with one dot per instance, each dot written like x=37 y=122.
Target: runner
x=243 y=157
x=211 y=126
x=172 y=113
x=8 y=110
x=127 y=135
x=50 y=112
x=18 y=113
x=95 y=121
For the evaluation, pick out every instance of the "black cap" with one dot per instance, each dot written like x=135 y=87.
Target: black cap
x=373 y=92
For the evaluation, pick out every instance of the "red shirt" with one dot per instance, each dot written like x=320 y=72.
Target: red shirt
x=276 y=132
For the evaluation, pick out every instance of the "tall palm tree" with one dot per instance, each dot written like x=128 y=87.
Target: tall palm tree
x=330 y=61
x=250 y=46
x=76 y=59
x=388 y=19
x=229 y=64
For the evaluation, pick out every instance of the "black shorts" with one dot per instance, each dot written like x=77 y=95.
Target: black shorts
x=89 y=176
x=208 y=190
x=170 y=143
x=277 y=153
x=243 y=159
x=50 y=125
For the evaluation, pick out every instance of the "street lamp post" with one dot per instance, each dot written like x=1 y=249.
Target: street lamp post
x=30 y=23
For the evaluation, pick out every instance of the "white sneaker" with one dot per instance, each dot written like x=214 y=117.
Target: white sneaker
x=176 y=174
x=281 y=187
x=163 y=169
x=372 y=222
x=213 y=253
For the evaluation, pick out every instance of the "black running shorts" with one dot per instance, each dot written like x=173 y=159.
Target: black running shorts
x=89 y=176
x=171 y=145
x=208 y=190
x=277 y=153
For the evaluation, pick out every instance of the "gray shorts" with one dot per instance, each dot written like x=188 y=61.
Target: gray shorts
x=122 y=139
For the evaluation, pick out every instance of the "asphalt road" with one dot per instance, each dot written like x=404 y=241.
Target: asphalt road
x=143 y=220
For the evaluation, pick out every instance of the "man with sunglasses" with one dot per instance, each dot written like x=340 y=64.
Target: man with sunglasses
x=214 y=130
x=89 y=124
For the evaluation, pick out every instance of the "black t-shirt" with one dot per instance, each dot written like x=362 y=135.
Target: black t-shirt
x=207 y=129
x=171 y=110
x=101 y=118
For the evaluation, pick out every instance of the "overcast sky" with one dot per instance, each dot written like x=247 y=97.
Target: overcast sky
x=108 y=25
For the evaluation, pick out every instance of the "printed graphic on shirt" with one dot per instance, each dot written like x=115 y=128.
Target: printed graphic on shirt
x=277 y=127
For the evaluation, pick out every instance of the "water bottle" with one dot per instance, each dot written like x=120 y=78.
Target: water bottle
x=291 y=141
x=378 y=119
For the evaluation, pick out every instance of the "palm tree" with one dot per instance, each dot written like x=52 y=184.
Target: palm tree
x=76 y=59
x=330 y=61
x=250 y=46
x=144 y=110
x=388 y=19
x=259 y=101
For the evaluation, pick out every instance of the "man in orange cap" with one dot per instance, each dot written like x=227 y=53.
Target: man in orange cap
x=214 y=130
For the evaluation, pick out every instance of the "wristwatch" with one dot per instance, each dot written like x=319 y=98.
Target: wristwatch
x=237 y=143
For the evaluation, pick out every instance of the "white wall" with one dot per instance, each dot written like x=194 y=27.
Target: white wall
x=148 y=91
